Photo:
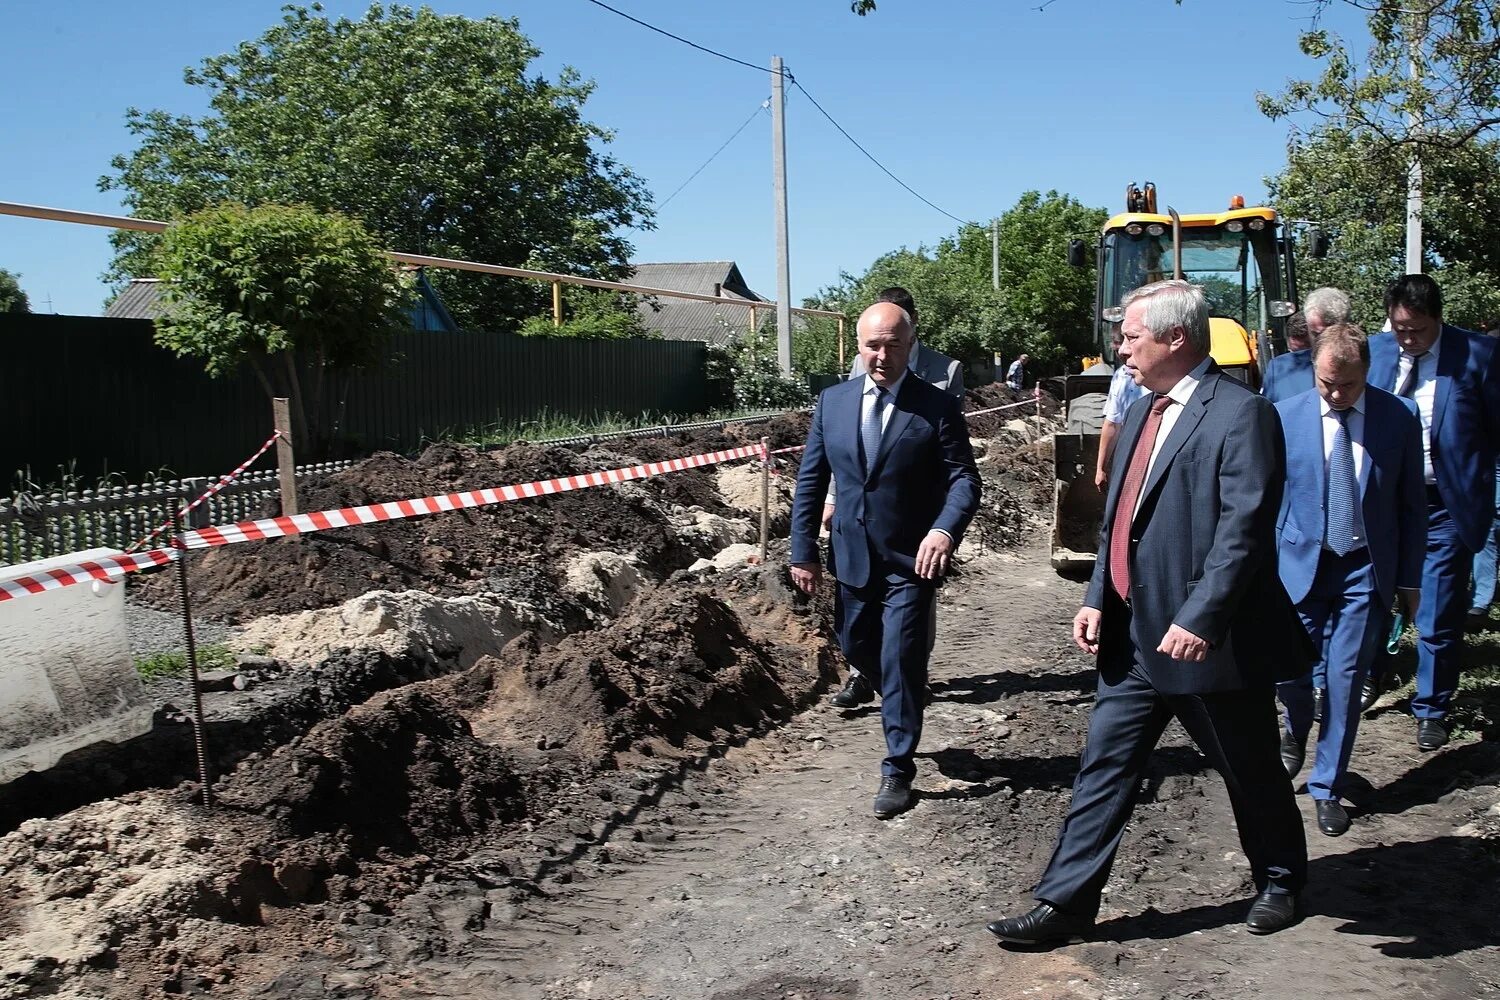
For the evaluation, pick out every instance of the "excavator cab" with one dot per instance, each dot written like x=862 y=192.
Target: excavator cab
x=1242 y=259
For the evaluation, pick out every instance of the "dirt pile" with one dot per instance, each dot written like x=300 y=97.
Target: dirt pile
x=522 y=756
x=510 y=549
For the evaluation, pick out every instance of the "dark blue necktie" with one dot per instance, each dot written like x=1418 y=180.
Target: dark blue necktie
x=869 y=429
x=1341 y=533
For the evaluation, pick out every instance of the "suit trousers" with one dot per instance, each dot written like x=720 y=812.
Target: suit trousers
x=1235 y=730
x=1440 y=619
x=884 y=630
x=1343 y=615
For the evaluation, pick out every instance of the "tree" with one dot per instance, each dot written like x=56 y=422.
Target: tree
x=285 y=290
x=1431 y=76
x=12 y=298
x=1043 y=307
x=591 y=314
x=1354 y=187
x=427 y=128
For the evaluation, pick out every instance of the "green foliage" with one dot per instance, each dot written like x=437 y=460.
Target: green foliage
x=1452 y=99
x=591 y=314
x=12 y=298
x=1354 y=187
x=281 y=288
x=750 y=367
x=1043 y=307
x=815 y=344
x=547 y=426
x=433 y=130
x=175 y=663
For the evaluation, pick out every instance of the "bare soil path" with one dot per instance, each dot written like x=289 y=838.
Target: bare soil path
x=764 y=875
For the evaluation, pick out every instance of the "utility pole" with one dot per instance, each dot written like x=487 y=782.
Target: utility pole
x=995 y=253
x=1418 y=30
x=778 y=188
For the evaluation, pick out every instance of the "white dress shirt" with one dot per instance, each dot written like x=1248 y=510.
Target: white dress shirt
x=1425 y=397
x=1179 y=394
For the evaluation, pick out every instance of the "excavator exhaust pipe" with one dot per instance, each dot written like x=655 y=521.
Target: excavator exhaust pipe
x=1176 y=242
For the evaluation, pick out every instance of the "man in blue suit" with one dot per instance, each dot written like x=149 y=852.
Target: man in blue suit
x=907 y=487
x=1351 y=537
x=1291 y=373
x=1187 y=618
x=1453 y=376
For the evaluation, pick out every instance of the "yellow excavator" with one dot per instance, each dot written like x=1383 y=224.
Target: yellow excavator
x=1243 y=260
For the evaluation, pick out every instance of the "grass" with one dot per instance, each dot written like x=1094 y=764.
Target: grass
x=552 y=426
x=1476 y=705
x=175 y=664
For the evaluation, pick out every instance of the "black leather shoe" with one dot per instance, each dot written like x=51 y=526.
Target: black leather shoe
x=1320 y=696
x=855 y=692
x=1271 y=912
x=1369 y=693
x=893 y=796
x=1044 y=925
x=1333 y=819
x=1293 y=751
x=1431 y=733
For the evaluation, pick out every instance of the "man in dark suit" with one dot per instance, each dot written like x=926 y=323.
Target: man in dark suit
x=1351 y=534
x=1453 y=376
x=940 y=371
x=907 y=488
x=1291 y=373
x=1187 y=618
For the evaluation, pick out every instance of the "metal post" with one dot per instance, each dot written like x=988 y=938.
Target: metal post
x=995 y=254
x=286 y=455
x=557 y=303
x=765 y=497
x=1414 y=167
x=199 y=743
x=778 y=189
x=842 y=366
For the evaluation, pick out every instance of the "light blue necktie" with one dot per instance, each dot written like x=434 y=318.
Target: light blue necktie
x=1340 y=534
x=869 y=429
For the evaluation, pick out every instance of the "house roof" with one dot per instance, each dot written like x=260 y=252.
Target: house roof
x=688 y=319
x=141 y=299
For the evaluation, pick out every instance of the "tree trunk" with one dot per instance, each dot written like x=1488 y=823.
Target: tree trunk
x=305 y=430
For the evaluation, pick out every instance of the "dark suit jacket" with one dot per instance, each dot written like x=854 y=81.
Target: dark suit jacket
x=1465 y=423
x=923 y=478
x=1288 y=375
x=1203 y=548
x=933 y=367
x=1392 y=499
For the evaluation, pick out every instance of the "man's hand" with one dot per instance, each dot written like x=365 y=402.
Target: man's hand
x=1101 y=479
x=1408 y=599
x=806 y=576
x=1086 y=629
x=1180 y=644
x=827 y=516
x=932 y=555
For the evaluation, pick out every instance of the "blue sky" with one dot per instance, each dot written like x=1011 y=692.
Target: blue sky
x=969 y=103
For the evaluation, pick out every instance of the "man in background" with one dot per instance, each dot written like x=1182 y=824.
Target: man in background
x=1291 y=373
x=1122 y=392
x=1015 y=378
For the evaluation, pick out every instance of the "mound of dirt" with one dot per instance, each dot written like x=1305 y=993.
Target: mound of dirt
x=518 y=758
x=513 y=549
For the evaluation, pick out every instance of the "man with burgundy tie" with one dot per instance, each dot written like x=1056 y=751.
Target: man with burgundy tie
x=1453 y=377
x=1187 y=618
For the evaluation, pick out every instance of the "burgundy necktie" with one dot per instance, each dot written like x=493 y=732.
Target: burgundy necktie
x=1130 y=492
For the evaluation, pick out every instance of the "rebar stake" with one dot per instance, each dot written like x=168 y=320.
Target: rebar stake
x=199 y=744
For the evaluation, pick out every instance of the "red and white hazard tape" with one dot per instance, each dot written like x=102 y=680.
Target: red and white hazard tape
x=105 y=568
x=215 y=488
x=296 y=524
x=997 y=409
x=114 y=567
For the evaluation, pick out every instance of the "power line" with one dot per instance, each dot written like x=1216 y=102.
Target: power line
x=844 y=132
x=743 y=125
x=679 y=38
x=791 y=79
